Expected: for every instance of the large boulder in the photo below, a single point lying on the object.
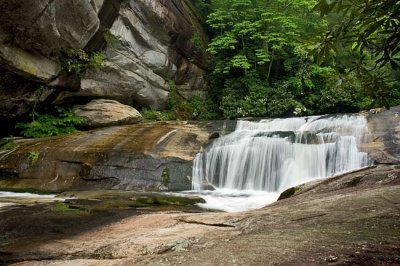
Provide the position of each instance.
(48, 26)
(101, 113)
(152, 45)
(126, 79)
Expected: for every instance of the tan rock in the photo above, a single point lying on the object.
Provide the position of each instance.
(101, 112)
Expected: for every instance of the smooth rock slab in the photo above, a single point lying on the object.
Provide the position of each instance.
(28, 65)
(48, 26)
(102, 112)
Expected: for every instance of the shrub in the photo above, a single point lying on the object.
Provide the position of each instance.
(77, 61)
(153, 115)
(45, 125)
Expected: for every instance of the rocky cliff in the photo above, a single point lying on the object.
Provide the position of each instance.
(145, 45)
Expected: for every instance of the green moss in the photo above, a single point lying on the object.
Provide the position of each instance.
(165, 177)
(63, 207)
(355, 181)
(289, 193)
(7, 144)
(111, 39)
(33, 156)
(4, 240)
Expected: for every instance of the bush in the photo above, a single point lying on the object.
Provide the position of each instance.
(179, 108)
(153, 115)
(77, 61)
(46, 125)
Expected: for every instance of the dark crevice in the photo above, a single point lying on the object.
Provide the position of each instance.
(308, 217)
(99, 178)
(207, 224)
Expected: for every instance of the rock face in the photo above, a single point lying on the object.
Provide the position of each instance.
(384, 144)
(28, 65)
(146, 44)
(150, 156)
(101, 113)
(151, 44)
(48, 27)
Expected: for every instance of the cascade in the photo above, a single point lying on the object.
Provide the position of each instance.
(250, 167)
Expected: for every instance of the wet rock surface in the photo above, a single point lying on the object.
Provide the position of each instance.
(152, 156)
(330, 223)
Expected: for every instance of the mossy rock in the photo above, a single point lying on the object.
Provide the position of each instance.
(169, 200)
(289, 193)
(64, 207)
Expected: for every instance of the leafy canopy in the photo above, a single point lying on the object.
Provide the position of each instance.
(372, 25)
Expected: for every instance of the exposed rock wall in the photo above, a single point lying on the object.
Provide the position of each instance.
(384, 144)
(154, 156)
(151, 44)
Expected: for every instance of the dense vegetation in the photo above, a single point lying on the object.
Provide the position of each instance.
(60, 121)
(282, 58)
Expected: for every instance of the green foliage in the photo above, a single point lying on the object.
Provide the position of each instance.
(33, 156)
(153, 115)
(197, 42)
(45, 125)
(165, 177)
(77, 61)
(262, 61)
(179, 108)
(193, 109)
(7, 144)
(63, 207)
(367, 25)
(252, 35)
(110, 38)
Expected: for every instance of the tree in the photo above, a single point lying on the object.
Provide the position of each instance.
(369, 24)
(368, 32)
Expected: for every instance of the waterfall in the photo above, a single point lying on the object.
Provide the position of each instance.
(272, 155)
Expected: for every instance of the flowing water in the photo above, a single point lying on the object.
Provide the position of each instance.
(250, 167)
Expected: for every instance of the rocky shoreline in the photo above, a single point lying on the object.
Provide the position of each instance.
(351, 219)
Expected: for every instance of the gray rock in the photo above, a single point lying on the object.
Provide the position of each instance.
(48, 26)
(384, 140)
(28, 65)
(125, 79)
(101, 112)
(97, 4)
(154, 47)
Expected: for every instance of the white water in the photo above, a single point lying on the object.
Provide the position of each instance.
(250, 167)
(7, 194)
